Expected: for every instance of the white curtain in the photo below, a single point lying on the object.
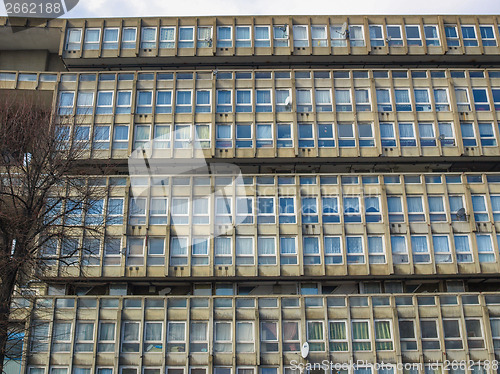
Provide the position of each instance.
(426, 130)
(402, 96)
(440, 96)
(303, 97)
(222, 332)
(323, 97)
(421, 96)
(330, 205)
(419, 244)
(406, 130)
(332, 245)
(266, 246)
(222, 246)
(198, 331)
(167, 34)
(179, 246)
(311, 245)
(131, 331)
(342, 96)
(414, 204)
(153, 331)
(361, 96)
(436, 204)
(287, 246)
(176, 331)
(264, 132)
(372, 205)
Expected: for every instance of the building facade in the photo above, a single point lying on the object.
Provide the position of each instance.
(285, 193)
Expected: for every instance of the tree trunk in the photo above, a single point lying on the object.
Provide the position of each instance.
(8, 274)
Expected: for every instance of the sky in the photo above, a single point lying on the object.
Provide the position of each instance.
(144, 8)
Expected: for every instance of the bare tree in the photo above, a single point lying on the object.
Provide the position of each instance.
(46, 198)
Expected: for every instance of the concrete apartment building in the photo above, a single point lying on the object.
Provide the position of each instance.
(352, 203)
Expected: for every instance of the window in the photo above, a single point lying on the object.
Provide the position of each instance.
(224, 137)
(362, 98)
(365, 133)
(266, 210)
(280, 36)
(318, 36)
(137, 211)
(479, 206)
(338, 336)
(264, 136)
(372, 209)
(394, 36)
(291, 336)
(284, 135)
(224, 37)
(487, 36)
(360, 336)
(243, 36)
(153, 337)
(429, 334)
(415, 209)
(300, 36)
(462, 98)
(487, 135)
(263, 101)
(474, 328)
(66, 102)
(224, 101)
(446, 135)
(144, 102)
(130, 337)
(61, 337)
(304, 101)
(485, 248)
(495, 207)
(469, 36)
(399, 249)
(244, 337)
(427, 136)
(431, 35)
(376, 251)
(387, 135)
(309, 210)
(452, 334)
(223, 337)
(223, 251)
(436, 208)
(407, 135)
(266, 250)
(311, 251)
(269, 336)
(343, 100)
(204, 39)
(244, 101)
(462, 248)
(92, 39)
(376, 36)
(420, 249)
(355, 250)
(183, 101)
(325, 135)
(306, 137)
(330, 210)
(468, 136)
(352, 211)
(288, 251)
(346, 135)
(142, 137)
(383, 336)
(456, 204)
(395, 208)
(407, 335)
(223, 210)
(283, 100)
(244, 251)
(441, 100)
(244, 210)
(73, 39)
(413, 35)
(287, 210)
(198, 337)
(323, 100)
(123, 102)
(356, 36)
(422, 100)
(315, 336)
(403, 103)
(442, 251)
(384, 100)
(451, 36)
(262, 36)
(481, 102)
(176, 337)
(106, 342)
(164, 102)
(129, 36)
(167, 37)
(186, 37)
(84, 103)
(178, 251)
(148, 38)
(495, 332)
